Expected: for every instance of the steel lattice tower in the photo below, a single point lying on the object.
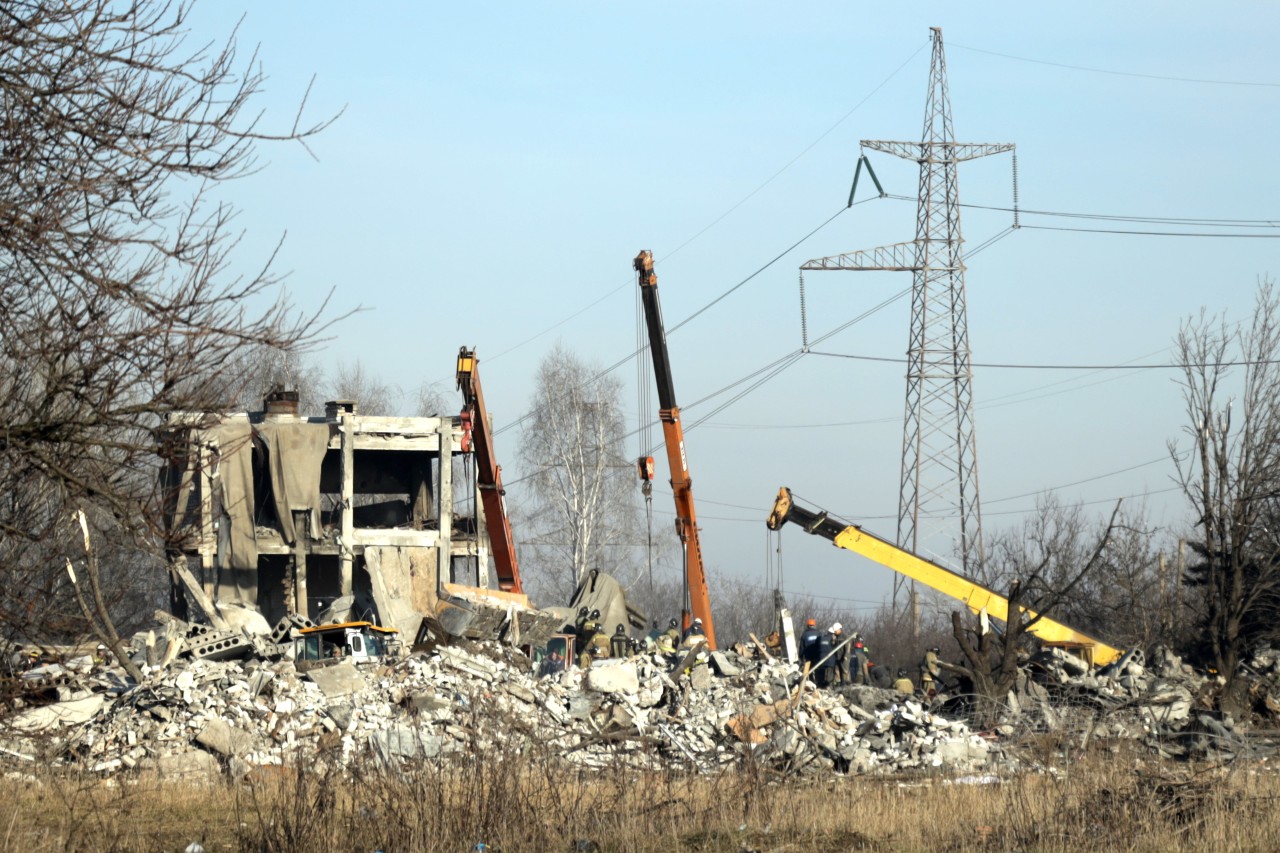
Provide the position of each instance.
(939, 485)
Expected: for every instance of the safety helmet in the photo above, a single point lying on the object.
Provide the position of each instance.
(836, 628)
(902, 673)
(619, 630)
(812, 623)
(582, 611)
(935, 650)
(673, 624)
(595, 614)
(697, 621)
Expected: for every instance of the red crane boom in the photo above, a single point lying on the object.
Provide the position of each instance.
(697, 600)
(478, 431)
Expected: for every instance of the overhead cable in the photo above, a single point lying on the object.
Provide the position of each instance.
(1113, 72)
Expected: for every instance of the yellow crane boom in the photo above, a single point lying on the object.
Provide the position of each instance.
(976, 597)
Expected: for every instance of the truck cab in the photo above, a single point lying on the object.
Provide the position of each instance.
(359, 642)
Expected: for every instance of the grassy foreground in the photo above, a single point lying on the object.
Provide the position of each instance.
(1105, 802)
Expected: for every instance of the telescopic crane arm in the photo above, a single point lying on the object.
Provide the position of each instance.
(478, 431)
(673, 435)
(974, 596)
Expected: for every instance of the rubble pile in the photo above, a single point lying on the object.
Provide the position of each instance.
(1159, 700)
(197, 716)
(227, 700)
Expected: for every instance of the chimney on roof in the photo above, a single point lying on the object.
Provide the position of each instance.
(280, 402)
(336, 408)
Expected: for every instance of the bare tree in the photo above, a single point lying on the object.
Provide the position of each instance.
(1042, 567)
(1231, 479)
(259, 369)
(582, 513)
(353, 381)
(429, 400)
(118, 305)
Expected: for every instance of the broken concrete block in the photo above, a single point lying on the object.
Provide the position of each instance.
(613, 678)
(287, 628)
(962, 752)
(245, 620)
(339, 680)
(581, 705)
(221, 737)
(397, 741)
(341, 713)
(470, 664)
(220, 645)
(723, 666)
(48, 717)
(426, 703)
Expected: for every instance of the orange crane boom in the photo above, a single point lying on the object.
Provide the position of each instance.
(697, 600)
(478, 431)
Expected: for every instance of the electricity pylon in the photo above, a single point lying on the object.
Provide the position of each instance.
(939, 486)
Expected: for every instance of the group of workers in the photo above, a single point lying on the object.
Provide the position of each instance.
(593, 643)
(834, 659)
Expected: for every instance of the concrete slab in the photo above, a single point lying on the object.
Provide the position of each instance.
(49, 717)
(723, 666)
(613, 678)
(225, 739)
(339, 680)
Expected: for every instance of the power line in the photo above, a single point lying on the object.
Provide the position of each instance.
(1115, 217)
(1164, 458)
(1133, 233)
(722, 216)
(606, 371)
(1114, 73)
(1092, 479)
(766, 266)
(1014, 366)
(805, 151)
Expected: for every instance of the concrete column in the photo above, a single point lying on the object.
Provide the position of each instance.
(346, 555)
(301, 537)
(444, 500)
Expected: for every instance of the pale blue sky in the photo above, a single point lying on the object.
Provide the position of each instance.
(499, 165)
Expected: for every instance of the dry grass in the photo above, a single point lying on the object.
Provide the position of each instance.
(521, 803)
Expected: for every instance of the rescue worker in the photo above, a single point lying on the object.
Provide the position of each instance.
(599, 644)
(841, 657)
(619, 643)
(824, 661)
(809, 642)
(665, 646)
(581, 627)
(930, 672)
(590, 627)
(654, 633)
(694, 634)
(903, 685)
(672, 634)
(859, 665)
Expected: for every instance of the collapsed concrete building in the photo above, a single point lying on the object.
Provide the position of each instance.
(334, 517)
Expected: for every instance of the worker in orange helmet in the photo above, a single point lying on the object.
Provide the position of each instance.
(809, 642)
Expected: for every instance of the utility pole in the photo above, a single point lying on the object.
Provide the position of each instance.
(939, 485)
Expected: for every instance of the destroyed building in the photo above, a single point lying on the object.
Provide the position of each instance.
(281, 514)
